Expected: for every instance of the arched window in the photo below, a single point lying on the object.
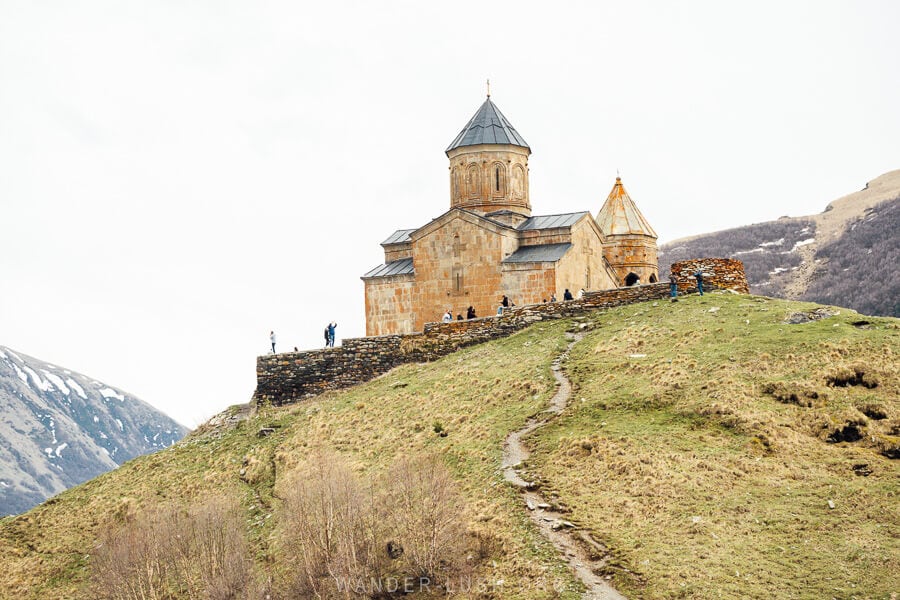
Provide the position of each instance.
(457, 246)
(473, 181)
(631, 279)
(454, 183)
(518, 187)
(498, 179)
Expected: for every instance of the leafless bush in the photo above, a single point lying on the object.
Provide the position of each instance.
(331, 529)
(423, 512)
(169, 552)
(346, 539)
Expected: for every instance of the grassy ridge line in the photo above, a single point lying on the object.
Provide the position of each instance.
(477, 396)
(679, 455)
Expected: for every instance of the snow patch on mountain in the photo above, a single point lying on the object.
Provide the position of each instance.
(108, 392)
(78, 389)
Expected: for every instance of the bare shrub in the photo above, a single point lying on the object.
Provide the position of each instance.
(346, 539)
(423, 511)
(170, 552)
(331, 530)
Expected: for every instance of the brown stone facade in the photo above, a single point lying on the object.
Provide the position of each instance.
(490, 177)
(633, 254)
(459, 262)
(293, 376)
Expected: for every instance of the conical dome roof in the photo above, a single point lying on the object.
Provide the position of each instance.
(488, 126)
(620, 215)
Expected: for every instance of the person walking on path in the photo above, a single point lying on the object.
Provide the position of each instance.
(331, 327)
(673, 287)
(567, 295)
(699, 277)
(272, 339)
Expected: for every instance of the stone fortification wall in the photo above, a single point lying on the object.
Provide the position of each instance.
(292, 376)
(724, 273)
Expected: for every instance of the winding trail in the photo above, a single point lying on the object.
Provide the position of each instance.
(585, 556)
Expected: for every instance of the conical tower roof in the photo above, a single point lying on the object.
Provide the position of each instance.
(620, 215)
(488, 126)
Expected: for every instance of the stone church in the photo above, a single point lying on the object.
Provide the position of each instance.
(489, 244)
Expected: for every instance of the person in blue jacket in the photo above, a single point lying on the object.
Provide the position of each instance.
(331, 327)
(699, 277)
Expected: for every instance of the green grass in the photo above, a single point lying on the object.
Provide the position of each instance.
(649, 443)
(704, 484)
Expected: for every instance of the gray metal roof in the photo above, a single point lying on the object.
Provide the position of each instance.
(488, 126)
(551, 221)
(544, 253)
(404, 266)
(398, 237)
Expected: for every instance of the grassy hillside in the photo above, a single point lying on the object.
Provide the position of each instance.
(699, 447)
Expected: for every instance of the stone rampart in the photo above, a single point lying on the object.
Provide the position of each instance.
(292, 376)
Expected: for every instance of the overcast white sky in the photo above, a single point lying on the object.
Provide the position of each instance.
(178, 178)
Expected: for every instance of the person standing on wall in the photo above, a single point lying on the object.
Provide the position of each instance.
(331, 327)
(272, 339)
(673, 287)
(327, 335)
(699, 277)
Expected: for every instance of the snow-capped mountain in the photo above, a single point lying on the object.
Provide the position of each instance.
(59, 428)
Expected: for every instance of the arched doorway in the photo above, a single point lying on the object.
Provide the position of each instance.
(631, 279)
(653, 278)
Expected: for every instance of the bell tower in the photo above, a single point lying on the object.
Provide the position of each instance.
(489, 165)
(629, 243)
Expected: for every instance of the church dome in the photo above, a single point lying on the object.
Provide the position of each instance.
(488, 126)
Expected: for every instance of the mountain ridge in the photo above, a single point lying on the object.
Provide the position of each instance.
(845, 255)
(59, 428)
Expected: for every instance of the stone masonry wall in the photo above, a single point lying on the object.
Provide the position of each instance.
(725, 273)
(293, 376)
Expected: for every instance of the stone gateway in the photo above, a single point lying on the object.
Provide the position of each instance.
(489, 245)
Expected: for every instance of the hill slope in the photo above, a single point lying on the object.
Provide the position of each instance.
(846, 255)
(60, 428)
(702, 447)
